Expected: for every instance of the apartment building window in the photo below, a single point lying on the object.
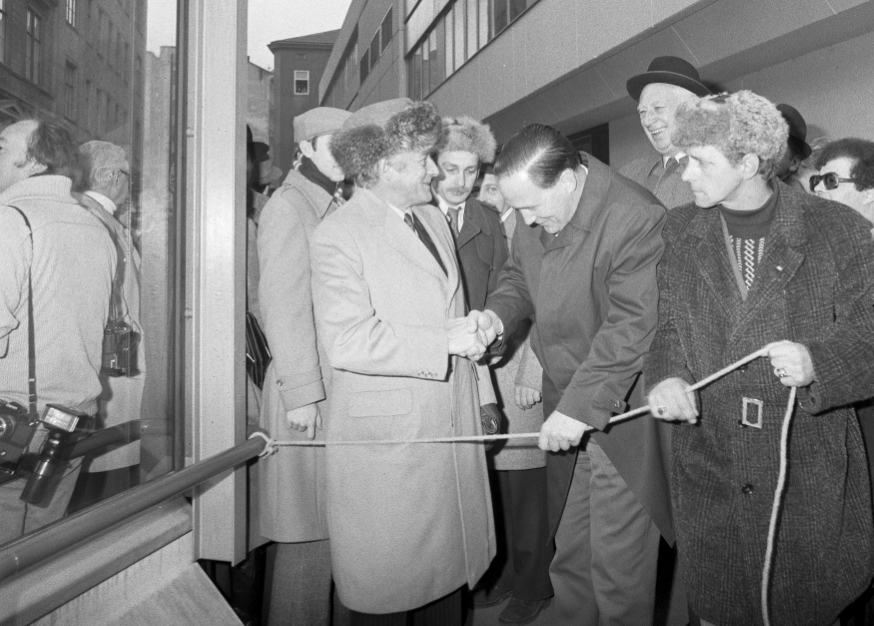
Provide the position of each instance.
(364, 68)
(3, 19)
(387, 30)
(33, 48)
(88, 110)
(463, 29)
(110, 45)
(100, 126)
(71, 13)
(301, 83)
(70, 91)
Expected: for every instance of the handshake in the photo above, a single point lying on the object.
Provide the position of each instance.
(470, 336)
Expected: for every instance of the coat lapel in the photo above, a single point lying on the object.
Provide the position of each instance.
(713, 262)
(432, 219)
(473, 224)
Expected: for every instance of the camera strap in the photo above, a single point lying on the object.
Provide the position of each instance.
(31, 341)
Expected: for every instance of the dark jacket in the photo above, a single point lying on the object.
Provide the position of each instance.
(593, 295)
(481, 250)
(814, 286)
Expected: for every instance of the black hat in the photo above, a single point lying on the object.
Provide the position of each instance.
(670, 70)
(797, 129)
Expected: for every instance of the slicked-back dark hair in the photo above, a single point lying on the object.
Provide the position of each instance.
(51, 145)
(861, 151)
(541, 151)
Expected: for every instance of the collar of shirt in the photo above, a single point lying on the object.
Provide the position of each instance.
(445, 206)
(677, 157)
(400, 213)
(103, 201)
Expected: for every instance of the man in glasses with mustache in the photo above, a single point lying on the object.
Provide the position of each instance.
(846, 175)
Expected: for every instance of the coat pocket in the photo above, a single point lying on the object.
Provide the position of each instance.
(381, 403)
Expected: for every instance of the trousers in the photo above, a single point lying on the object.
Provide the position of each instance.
(604, 569)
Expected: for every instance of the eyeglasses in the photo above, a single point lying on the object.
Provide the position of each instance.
(830, 180)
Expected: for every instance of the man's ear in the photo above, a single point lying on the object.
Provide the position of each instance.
(868, 197)
(306, 148)
(749, 165)
(33, 168)
(568, 180)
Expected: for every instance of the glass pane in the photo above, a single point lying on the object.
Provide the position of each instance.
(472, 30)
(119, 332)
(426, 68)
(450, 44)
(415, 69)
(500, 19)
(435, 41)
(460, 56)
(483, 22)
(516, 8)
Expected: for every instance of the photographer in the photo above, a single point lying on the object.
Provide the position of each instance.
(61, 254)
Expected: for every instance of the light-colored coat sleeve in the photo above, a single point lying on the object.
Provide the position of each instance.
(484, 385)
(354, 338)
(285, 298)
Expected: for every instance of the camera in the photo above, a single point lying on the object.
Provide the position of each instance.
(16, 432)
(119, 349)
(60, 422)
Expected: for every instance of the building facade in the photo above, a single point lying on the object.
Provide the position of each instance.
(80, 60)
(565, 62)
(298, 66)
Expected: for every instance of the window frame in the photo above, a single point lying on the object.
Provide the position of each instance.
(302, 78)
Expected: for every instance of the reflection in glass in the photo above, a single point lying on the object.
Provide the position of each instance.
(93, 71)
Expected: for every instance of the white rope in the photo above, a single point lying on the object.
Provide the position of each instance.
(775, 509)
(273, 445)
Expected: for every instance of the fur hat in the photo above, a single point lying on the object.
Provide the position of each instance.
(465, 134)
(737, 124)
(383, 130)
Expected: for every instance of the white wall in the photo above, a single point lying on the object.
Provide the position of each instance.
(833, 88)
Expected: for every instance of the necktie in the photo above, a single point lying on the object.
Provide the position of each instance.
(414, 225)
(452, 216)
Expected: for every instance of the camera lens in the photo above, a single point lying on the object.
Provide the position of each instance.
(7, 427)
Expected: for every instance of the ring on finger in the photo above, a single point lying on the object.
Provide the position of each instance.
(781, 372)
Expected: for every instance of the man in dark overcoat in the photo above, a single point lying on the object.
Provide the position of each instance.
(754, 263)
(584, 267)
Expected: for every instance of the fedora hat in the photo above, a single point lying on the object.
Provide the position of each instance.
(797, 129)
(670, 70)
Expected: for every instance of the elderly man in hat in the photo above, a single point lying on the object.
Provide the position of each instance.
(106, 183)
(756, 264)
(796, 150)
(297, 382)
(667, 83)
(411, 524)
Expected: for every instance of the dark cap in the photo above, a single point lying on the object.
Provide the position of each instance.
(670, 70)
(797, 129)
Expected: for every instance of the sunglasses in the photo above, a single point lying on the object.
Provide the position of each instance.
(830, 180)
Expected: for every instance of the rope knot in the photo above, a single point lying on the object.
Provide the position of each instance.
(270, 445)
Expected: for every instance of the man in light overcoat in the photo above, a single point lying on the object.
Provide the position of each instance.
(410, 524)
(297, 383)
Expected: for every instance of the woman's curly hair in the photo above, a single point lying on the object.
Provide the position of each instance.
(736, 124)
(357, 150)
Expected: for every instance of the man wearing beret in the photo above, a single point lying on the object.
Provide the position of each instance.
(297, 382)
(667, 82)
(411, 524)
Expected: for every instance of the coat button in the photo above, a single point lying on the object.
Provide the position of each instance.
(747, 489)
(279, 383)
(742, 368)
